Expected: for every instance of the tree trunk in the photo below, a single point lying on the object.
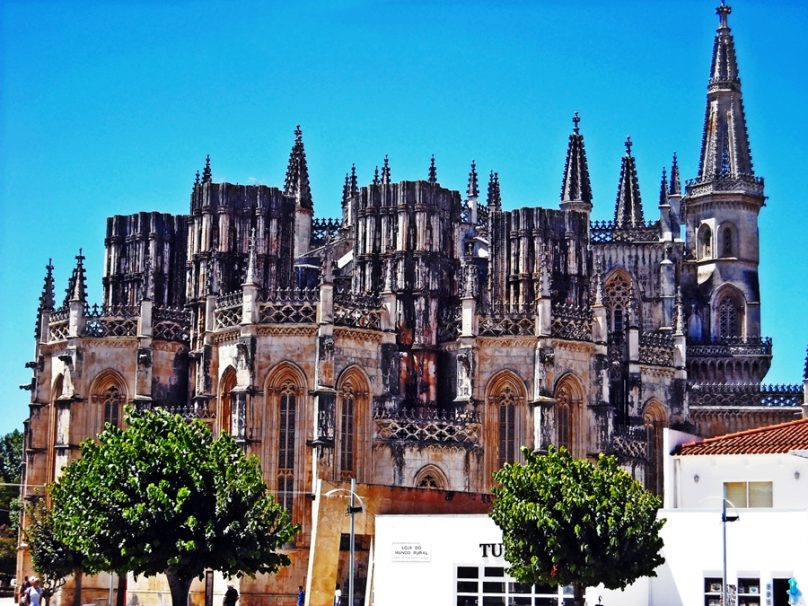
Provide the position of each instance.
(120, 599)
(579, 594)
(180, 584)
(77, 576)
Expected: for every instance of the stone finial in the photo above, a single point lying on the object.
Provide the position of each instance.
(663, 189)
(675, 188)
(473, 189)
(376, 176)
(77, 287)
(494, 197)
(47, 299)
(433, 170)
(252, 260)
(353, 182)
(723, 11)
(386, 170)
(207, 173)
(679, 323)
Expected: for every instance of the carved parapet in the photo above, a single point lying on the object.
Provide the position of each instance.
(571, 322)
(500, 324)
(358, 311)
(324, 230)
(170, 324)
(656, 349)
(730, 347)
(630, 444)
(117, 321)
(604, 232)
(454, 427)
(737, 395)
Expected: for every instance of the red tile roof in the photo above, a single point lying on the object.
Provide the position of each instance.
(773, 439)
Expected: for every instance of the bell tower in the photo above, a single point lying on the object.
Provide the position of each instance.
(721, 215)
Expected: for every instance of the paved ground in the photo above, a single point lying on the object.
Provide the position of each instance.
(6, 601)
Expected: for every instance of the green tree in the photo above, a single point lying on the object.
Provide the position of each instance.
(10, 469)
(53, 560)
(567, 521)
(163, 496)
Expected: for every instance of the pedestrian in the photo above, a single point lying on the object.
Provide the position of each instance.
(230, 596)
(337, 596)
(301, 596)
(34, 592)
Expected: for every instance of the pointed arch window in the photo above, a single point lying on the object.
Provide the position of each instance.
(569, 416)
(112, 406)
(508, 446)
(729, 318)
(347, 433)
(286, 443)
(228, 382)
(617, 296)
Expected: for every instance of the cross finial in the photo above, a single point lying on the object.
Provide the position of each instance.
(628, 146)
(576, 119)
(723, 11)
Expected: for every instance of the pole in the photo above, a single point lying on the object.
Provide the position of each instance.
(724, 591)
(352, 511)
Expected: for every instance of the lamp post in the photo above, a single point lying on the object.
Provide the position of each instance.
(724, 519)
(353, 509)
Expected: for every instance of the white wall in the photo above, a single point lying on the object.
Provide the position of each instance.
(788, 474)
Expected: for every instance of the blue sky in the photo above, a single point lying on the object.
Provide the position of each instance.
(110, 107)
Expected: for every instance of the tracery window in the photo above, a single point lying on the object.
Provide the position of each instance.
(617, 295)
(508, 448)
(729, 318)
(563, 417)
(428, 481)
(112, 406)
(347, 433)
(286, 444)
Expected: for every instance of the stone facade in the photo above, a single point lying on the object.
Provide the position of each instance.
(417, 341)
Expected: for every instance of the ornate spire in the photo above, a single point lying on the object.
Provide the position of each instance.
(346, 189)
(196, 179)
(145, 285)
(386, 170)
(376, 176)
(679, 322)
(663, 189)
(576, 189)
(473, 190)
(675, 188)
(297, 173)
(433, 170)
(494, 197)
(354, 189)
(805, 370)
(207, 174)
(725, 148)
(46, 299)
(252, 261)
(628, 210)
(77, 286)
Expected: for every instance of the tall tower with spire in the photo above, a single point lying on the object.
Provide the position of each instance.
(721, 208)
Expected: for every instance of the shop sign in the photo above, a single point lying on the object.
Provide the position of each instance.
(411, 552)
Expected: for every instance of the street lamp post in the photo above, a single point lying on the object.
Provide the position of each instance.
(724, 519)
(353, 509)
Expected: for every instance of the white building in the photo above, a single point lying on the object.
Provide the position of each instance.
(458, 559)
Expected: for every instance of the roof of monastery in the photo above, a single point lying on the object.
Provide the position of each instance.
(773, 439)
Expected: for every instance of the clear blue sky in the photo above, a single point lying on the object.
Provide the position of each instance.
(110, 107)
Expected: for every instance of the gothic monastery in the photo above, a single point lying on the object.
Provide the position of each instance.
(417, 341)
